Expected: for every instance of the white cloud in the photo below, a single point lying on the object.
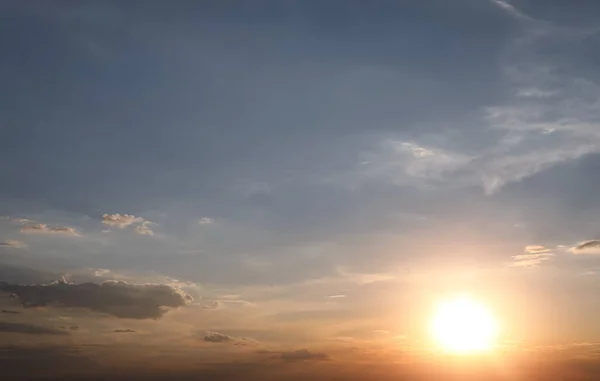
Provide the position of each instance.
(46, 229)
(530, 260)
(536, 93)
(121, 220)
(536, 249)
(205, 221)
(340, 296)
(13, 243)
(22, 221)
(510, 9)
(144, 229)
(102, 272)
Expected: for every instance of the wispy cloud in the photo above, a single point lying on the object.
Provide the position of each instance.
(47, 229)
(29, 329)
(536, 249)
(13, 243)
(533, 256)
(587, 247)
(144, 229)
(530, 260)
(551, 118)
(364, 278)
(21, 221)
(510, 9)
(403, 161)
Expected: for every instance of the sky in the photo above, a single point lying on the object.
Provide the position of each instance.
(284, 189)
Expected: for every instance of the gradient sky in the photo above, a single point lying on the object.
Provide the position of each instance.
(314, 175)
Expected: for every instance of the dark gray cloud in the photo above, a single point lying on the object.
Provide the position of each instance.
(25, 363)
(29, 329)
(9, 312)
(594, 244)
(121, 299)
(216, 337)
(297, 355)
(13, 243)
(73, 327)
(303, 354)
(127, 330)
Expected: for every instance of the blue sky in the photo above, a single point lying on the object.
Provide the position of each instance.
(310, 156)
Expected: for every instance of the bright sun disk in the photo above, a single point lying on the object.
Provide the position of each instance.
(463, 325)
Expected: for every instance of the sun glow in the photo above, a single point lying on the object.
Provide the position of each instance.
(463, 325)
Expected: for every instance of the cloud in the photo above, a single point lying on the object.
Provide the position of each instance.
(340, 296)
(143, 229)
(302, 354)
(205, 221)
(21, 221)
(121, 220)
(127, 330)
(587, 247)
(401, 161)
(550, 117)
(510, 9)
(102, 272)
(361, 278)
(46, 229)
(211, 306)
(74, 327)
(536, 249)
(216, 337)
(29, 329)
(530, 260)
(13, 244)
(120, 299)
(9, 312)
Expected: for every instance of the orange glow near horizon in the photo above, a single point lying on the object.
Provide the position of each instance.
(463, 325)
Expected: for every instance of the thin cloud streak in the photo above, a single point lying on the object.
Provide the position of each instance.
(13, 243)
(47, 229)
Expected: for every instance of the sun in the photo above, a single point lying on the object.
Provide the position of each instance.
(463, 325)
